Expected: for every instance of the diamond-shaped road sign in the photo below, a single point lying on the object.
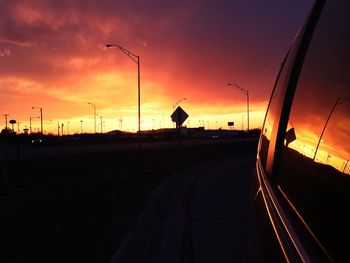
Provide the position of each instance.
(179, 116)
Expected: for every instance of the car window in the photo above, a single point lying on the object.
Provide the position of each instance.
(315, 170)
(276, 101)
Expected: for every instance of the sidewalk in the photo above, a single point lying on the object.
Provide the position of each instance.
(199, 215)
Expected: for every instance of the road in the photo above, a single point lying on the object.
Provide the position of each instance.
(78, 202)
(27, 151)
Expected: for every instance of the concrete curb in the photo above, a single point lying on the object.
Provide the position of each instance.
(158, 233)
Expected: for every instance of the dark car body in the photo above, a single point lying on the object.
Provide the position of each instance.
(300, 192)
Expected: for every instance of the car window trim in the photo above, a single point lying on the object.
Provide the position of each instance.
(286, 236)
(291, 86)
(268, 188)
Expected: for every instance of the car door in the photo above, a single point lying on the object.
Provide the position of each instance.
(302, 188)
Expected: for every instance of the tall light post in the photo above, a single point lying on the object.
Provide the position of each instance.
(68, 128)
(246, 92)
(94, 106)
(41, 118)
(121, 123)
(30, 123)
(136, 59)
(337, 102)
(81, 126)
(6, 115)
(50, 124)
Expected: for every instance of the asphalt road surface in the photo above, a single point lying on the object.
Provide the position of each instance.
(75, 203)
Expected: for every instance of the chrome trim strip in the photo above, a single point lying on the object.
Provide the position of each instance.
(258, 168)
(305, 225)
(269, 197)
(257, 193)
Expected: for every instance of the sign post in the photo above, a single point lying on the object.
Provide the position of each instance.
(179, 116)
(230, 124)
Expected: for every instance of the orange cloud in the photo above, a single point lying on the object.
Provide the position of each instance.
(52, 55)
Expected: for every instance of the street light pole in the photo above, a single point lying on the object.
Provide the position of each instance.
(121, 123)
(30, 123)
(136, 59)
(6, 115)
(139, 99)
(246, 92)
(337, 102)
(94, 106)
(81, 126)
(178, 102)
(41, 118)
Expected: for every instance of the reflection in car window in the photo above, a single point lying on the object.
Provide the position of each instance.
(315, 169)
(274, 109)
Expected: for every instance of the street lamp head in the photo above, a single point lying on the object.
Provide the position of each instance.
(113, 45)
(233, 84)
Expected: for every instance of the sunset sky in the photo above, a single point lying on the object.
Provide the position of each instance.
(53, 55)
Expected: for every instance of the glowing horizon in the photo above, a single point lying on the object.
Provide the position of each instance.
(53, 55)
